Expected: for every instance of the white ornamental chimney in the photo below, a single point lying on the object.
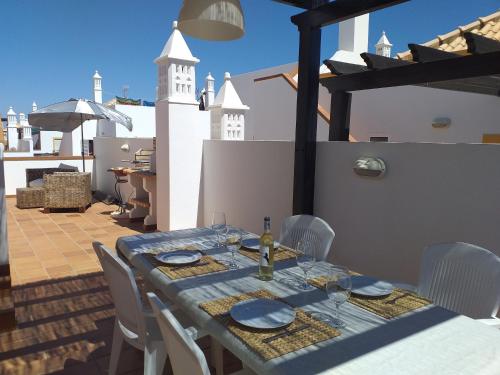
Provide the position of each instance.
(383, 46)
(97, 87)
(227, 113)
(12, 136)
(24, 124)
(11, 117)
(176, 70)
(209, 90)
(353, 41)
(34, 107)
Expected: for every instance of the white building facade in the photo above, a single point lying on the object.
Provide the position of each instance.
(398, 114)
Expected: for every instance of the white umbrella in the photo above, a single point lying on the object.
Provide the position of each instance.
(67, 116)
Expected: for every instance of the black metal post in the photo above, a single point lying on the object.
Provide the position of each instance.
(306, 120)
(340, 116)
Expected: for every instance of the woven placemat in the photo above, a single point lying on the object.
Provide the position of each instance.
(206, 265)
(397, 303)
(308, 331)
(279, 254)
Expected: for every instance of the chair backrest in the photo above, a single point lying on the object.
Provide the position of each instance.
(36, 173)
(309, 228)
(123, 289)
(461, 277)
(185, 355)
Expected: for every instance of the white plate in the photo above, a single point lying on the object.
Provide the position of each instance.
(179, 257)
(370, 287)
(263, 313)
(254, 244)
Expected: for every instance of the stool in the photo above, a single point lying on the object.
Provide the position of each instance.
(30, 197)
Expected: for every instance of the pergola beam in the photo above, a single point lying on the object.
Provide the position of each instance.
(304, 4)
(418, 73)
(340, 10)
(427, 54)
(340, 67)
(480, 44)
(377, 62)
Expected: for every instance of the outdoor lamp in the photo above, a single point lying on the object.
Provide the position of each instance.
(212, 19)
(369, 167)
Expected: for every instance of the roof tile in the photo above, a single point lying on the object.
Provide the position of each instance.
(488, 26)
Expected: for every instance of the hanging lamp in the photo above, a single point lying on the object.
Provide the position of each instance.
(212, 19)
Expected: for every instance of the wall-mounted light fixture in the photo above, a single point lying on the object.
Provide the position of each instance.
(369, 167)
(441, 122)
(125, 147)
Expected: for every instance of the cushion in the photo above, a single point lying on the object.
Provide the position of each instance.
(66, 166)
(36, 183)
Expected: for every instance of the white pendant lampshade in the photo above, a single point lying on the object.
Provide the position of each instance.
(212, 19)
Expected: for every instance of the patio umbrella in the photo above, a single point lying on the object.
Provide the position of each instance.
(67, 116)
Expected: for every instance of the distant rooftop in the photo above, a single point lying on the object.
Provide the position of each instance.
(454, 41)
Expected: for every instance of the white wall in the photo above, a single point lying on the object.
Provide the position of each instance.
(4, 246)
(430, 193)
(405, 114)
(273, 104)
(15, 170)
(46, 143)
(275, 113)
(108, 154)
(248, 181)
(143, 120)
(245, 87)
(71, 144)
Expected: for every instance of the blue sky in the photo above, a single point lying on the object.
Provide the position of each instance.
(51, 48)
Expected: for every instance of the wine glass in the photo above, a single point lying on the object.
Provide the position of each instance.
(219, 225)
(233, 243)
(305, 256)
(338, 288)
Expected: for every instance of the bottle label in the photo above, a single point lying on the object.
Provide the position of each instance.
(264, 256)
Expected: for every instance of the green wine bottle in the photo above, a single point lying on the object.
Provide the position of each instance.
(266, 264)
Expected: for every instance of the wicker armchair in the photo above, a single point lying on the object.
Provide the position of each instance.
(67, 190)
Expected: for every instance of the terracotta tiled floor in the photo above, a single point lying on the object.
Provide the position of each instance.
(45, 246)
(64, 311)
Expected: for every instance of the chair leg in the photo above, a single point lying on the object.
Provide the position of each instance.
(217, 356)
(154, 358)
(116, 349)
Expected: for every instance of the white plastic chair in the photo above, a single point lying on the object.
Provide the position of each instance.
(461, 277)
(133, 324)
(185, 355)
(310, 228)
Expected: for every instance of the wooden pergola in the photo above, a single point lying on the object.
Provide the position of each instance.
(477, 72)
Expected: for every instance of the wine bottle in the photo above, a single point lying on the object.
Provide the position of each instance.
(266, 264)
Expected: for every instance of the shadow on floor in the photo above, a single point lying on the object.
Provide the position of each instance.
(65, 326)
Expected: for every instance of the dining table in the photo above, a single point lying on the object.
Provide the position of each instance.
(426, 340)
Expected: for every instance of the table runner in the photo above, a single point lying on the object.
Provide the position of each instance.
(309, 331)
(206, 265)
(281, 254)
(399, 302)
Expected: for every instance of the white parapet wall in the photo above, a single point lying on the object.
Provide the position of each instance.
(4, 246)
(430, 193)
(248, 180)
(15, 168)
(109, 154)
